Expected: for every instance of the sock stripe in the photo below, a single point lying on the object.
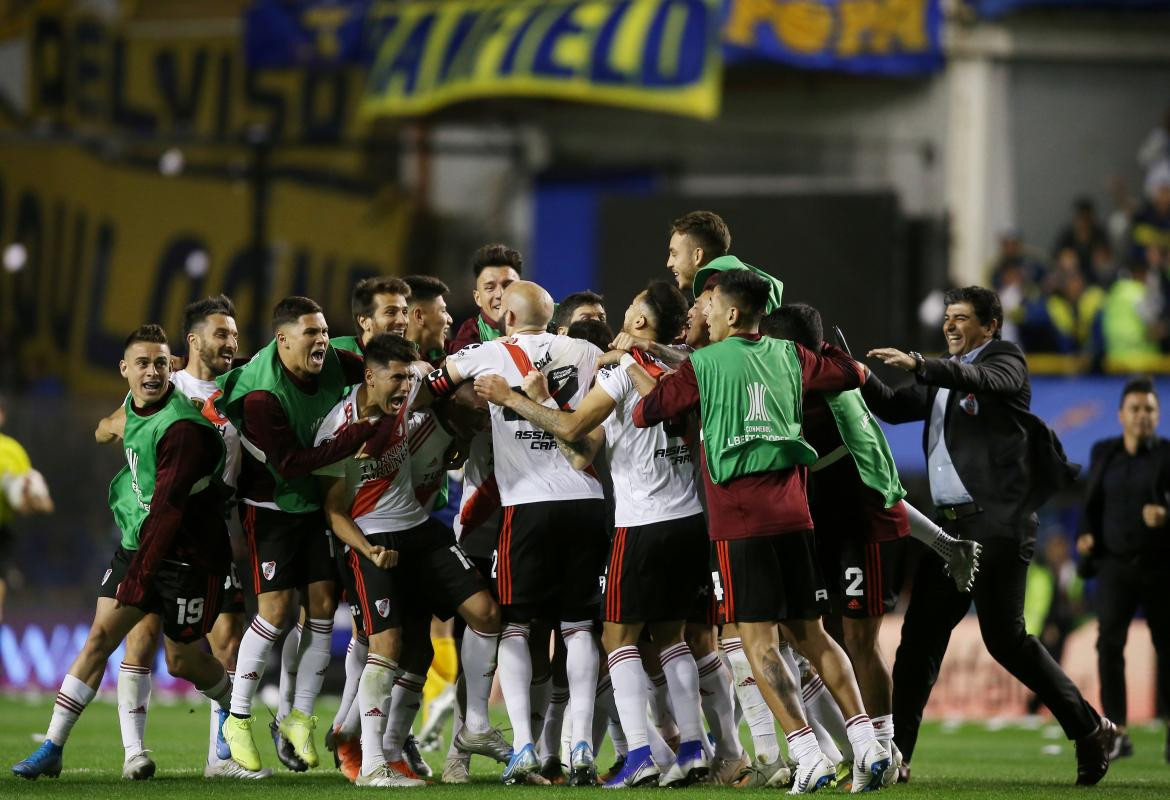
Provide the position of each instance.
(409, 684)
(560, 696)
(604, 684)
(792, 737)
(362, 639)
(379, 661)
(69, 704)
(658, 679)
(732, 645)
(623, 654)
(542, 680)
(670, 654)
(264, 630)
(860, 718)
(567, 632)
(710, 668)
(483, 635)
(137, 670)
(321, 627)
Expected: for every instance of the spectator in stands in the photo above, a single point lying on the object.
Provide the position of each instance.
(1151, 223)
(1155, 149)
(1015, 256)
(1081, 235)
(1131, 319)
(1054, 602)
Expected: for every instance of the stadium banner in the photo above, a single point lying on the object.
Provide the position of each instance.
(654, 55)
(881, 37)
(280, 33)
(96, 259)
(991, 9)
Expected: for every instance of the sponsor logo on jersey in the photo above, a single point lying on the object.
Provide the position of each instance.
(269, 569)
(106, 577)
(541, 440)
(678, 454)
(383, 607)
(854, 604)
(386, 465)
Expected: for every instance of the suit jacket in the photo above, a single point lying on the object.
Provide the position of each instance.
(1102, 453)
(1009, 460)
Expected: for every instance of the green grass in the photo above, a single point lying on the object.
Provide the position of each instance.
(965, 761)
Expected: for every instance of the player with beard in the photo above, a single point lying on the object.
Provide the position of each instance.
(553, 538)
(658, 559)
(378, 305)
(168, 503)
(372, 507)
(212, 343)
(276, 401)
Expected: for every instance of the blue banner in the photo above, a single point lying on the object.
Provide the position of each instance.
(1081, 410)
(299, 33)
(998, 8)
(876, 37)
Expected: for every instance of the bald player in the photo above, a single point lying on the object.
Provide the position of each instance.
(553, 539)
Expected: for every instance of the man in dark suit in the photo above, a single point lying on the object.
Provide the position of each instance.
(1126, 538)
(991, 465)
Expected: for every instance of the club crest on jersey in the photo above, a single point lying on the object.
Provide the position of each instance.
(106, 577)
(383, 607)
(269, 569)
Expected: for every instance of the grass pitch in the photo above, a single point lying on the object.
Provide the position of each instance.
(953, 761)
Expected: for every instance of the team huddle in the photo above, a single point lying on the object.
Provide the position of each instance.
(657, 532)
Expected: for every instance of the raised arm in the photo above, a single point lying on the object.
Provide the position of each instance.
(267, 427)
(568, 425)
(111, 427)
(999, 372)
(904, 404)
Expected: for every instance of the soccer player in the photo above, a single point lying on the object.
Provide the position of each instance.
(748, 391)
(168, 502)
(372, 507)
(696, 239)
(428, 323)
(378, 305)
(576, 307)
(496, 267)
(658, 559)
(553, 538)
(276, 401)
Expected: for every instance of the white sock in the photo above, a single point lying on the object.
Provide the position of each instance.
(682, 680)
(825, 718)
(927, 531)
(478, 655)
(802, 746)
(255, 646)
(883, 729)
(373, 699)
(554, 722)
(215, 706)
(290, 658)
(72, 698)
(861, 735)
(715, 693)
(314, 661)
(660, 701)
(538, 696)
(629, 693)
(219, 692)
(755, 710)
(581, 665)
(604, 709)
(355, 662)
(133, 703)
(618, 737)
(405, 699)
(659, 750)
(457, 718)
(515, 669)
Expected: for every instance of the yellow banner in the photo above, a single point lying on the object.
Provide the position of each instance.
(92, 249)
(658, 55)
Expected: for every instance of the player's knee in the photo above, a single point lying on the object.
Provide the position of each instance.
(861, 641)
(100, 644)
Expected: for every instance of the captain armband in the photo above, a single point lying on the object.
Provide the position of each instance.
(440, 384)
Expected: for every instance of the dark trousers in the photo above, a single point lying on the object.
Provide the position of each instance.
(936, 607)
(1124, 584)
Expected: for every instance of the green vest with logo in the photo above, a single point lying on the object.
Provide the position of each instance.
(349, 343)
(750, 394)
(486, 332)
(867, 444)
(304, 411)
(132, 489)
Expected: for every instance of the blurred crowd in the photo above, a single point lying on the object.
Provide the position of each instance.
(1103, 289)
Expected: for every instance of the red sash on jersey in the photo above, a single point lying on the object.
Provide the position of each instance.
(648, 363)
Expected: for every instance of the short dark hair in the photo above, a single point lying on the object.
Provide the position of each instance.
(798, 322)
(496, 255)
(361, 299)
(386, 347)
(593, 331)
(746, 290)
(148, 332)
(983, 301)
(574, 301)
(668, 307)
(424, 288)
(200, 310)
(1142, 384)
(290, 309)
(708, 230)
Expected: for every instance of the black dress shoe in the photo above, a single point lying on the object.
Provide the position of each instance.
(1093, 753)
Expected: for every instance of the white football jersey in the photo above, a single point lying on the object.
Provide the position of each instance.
(653, 477)
(481, 494)
(529, 466)
(205, 393)
(379, 489)
(429, 441)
